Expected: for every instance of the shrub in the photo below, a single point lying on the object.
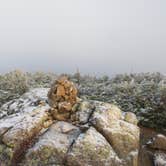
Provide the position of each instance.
(143, 94)
(12, 85)
(40, 79)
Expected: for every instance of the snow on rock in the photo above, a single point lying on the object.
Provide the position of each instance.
(91, 148)
(27, 102)
(19, 129)
(52, 146)
(29, 136)
(122, 135)
(160, 159)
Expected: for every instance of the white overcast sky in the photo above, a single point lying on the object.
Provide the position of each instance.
(96, 36)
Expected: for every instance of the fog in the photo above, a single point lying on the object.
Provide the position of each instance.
(96, 36)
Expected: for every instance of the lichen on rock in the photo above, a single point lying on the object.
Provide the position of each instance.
(92, 149)
(52, 146)
(131, 118)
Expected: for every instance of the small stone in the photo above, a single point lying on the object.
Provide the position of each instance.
(60, 116)
(158, 142)
(60, 91)
(83, 113)
(47, 123)
(64, 106)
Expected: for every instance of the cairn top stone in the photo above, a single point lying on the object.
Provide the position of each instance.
(62, 96)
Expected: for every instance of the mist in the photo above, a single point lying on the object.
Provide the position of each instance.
(96, 37)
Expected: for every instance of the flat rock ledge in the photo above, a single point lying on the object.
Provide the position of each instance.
(103, 135)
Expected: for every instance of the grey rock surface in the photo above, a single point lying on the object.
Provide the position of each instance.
(101, 136)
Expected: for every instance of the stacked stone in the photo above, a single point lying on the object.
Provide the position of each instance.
(62, 97)
(103, 136)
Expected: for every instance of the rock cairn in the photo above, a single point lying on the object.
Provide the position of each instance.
(62, 96)
(83, 133)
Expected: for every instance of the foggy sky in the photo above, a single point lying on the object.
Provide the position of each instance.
(96, 36)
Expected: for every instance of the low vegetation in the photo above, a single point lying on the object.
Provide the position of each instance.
(12, 85)
(143, 94)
